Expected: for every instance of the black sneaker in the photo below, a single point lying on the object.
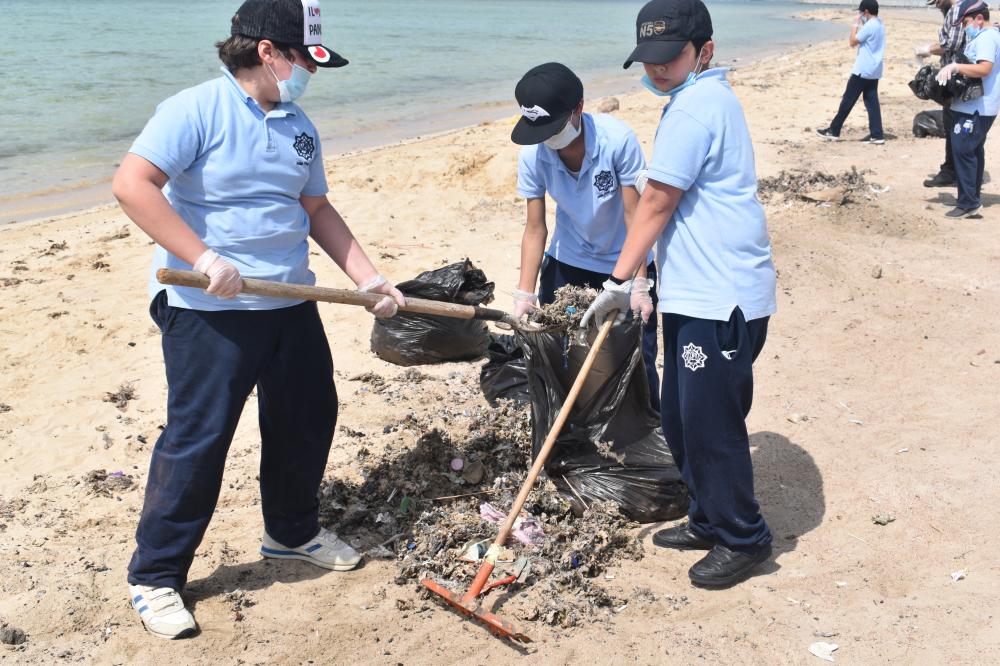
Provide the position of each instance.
(957, 212)
(681, 537)
(868, 139)
(828, 135)
(723, 567)
(942, 179)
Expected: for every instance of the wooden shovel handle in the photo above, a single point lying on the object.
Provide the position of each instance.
(304, 292)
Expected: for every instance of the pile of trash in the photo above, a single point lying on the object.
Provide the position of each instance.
(434, 508)
(818, 186)
(566, 311)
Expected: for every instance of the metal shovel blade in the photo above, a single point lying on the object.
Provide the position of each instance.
(472, 608)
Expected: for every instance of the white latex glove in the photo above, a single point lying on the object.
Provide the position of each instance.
(613, 297)
(922, 51)
(641, 302)
(388, 306)
(225, 280)
(946, 72)
(524, 302)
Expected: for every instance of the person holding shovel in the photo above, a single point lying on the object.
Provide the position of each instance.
(227, 177)
(588, 164)
(717, 286)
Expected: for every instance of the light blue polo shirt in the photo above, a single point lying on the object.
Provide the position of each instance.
(868, 63)
(590, 212)
(714, 254)
(986, 46)
(236, 175)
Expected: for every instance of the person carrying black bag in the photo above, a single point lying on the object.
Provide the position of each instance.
(951, 43)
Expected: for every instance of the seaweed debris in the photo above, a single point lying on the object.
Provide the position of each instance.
(566, 311)
(412, 505)
(104, 484)
(817, 186)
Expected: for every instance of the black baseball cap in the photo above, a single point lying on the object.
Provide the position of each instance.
(664, 27)
(293, 23)
(871, 6)
(548, 95)
(970, 8)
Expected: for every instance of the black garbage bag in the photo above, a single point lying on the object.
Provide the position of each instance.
(418, 339)
(506, 373)
(958, 88)
(929, 123)
(639, 473)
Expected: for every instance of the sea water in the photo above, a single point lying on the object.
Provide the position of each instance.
(81, 77)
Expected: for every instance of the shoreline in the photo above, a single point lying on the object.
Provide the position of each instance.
(57, 202)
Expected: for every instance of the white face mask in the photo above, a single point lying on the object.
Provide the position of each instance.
(565, 136)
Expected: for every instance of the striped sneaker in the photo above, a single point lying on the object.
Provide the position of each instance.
(162, 611)
(324, 550)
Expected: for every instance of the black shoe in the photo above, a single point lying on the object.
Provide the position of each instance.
(957, 212)
(681, 537)
(723, 567)
(942, 179)
(868, 139)
(828, 135)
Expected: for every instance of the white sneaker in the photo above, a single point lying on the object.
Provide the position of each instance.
(162, 611)
(324, 550)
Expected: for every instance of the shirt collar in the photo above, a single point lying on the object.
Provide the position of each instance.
(280, 110)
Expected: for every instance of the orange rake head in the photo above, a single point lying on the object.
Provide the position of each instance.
(469, 605)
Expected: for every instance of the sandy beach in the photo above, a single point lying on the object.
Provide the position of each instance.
(875, 396)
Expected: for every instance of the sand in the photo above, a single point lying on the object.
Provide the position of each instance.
(875, 395)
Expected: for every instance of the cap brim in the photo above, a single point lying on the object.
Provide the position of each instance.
(528, 134)
(655, 52)
(322, 56)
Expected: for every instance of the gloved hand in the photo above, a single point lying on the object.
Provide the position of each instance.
(946, 72)
(641, 302)
(388, 306)
(524, 302)
(922, 51)
(225, 278)
(613, 297)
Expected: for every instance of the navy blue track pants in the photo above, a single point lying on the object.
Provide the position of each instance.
(213, 361)
(707, 392)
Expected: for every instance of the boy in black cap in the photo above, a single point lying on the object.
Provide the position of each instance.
(588, 164)
(228, 179)
(716, 291)
(868, 35)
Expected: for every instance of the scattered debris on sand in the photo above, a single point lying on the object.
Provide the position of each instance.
(107, 484)
(817, 186)
(414, 506)
(121, 397)
(12, 635)
(566, 311)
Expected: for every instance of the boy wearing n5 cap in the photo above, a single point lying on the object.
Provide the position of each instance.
(588, 164)
(868, 35)
(973, 119)
(228, 179)
(716, 291)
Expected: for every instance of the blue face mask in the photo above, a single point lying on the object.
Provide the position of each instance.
(295, 86)
(971, 32)
(688, 82)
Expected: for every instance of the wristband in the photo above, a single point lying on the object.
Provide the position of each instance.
(618, 281)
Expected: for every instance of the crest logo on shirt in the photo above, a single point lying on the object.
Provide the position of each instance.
(304, 146)
(604, 182)
(693, 357)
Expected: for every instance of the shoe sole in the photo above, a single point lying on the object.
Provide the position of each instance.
(311, 560)
(971, 215)
(828, 138)
(728, 581)
(187, 633)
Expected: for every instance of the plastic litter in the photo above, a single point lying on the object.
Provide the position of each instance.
(417, 339)
(823, 650)
(526, 529)
(958, 575)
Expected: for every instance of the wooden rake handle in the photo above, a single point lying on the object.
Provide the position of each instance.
(304, 292)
